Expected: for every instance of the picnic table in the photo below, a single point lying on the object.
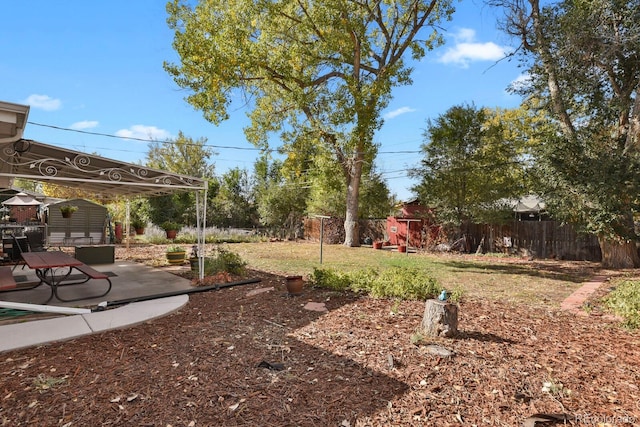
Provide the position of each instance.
(58, 269)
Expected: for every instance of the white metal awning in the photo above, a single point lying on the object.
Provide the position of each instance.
(107, 178)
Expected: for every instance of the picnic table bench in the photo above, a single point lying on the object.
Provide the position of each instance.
(7, 282)
(55, 269)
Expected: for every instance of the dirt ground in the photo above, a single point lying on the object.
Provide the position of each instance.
(253, 356)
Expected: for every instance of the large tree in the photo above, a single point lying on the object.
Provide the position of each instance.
(186, 156)
(473, 159)
(234, 204)
(583, 59)
(310, 69)
(281, 193)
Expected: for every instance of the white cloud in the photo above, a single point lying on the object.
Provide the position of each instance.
(467, 50)
(465, 35)
(144, 132)
(85, 124)
(43, 102)
(520, 82)
(398, 112)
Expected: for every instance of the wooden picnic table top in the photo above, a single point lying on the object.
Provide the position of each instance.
(49, 259)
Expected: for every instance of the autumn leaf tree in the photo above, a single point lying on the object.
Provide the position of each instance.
(309, 70)
(583, 65)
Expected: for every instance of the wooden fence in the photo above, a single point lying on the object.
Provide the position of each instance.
(542, 239)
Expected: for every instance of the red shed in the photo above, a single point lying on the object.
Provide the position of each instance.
(409, 221)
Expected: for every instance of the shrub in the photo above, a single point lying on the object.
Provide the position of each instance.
(396, 282)
(169, 225)
(624, 301)
(330, 279)
(224, 261)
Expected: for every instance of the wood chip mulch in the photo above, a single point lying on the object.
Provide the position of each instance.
(253, 356)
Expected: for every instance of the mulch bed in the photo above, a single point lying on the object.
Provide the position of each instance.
(253, 356)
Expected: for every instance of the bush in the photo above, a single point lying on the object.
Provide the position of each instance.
(222, 261)
(624, 301)
(330, 279)
(396, 282)
(170, 225)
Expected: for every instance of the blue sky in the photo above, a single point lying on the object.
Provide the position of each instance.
(96, 66)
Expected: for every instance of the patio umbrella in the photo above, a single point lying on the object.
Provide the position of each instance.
(21, 199)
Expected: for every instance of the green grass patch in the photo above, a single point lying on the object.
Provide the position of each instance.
(473, 277)
(624, 301)
(394, 282)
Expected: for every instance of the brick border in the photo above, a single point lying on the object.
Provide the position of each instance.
(573, 303)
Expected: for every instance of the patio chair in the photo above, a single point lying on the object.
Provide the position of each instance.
(35, 240)
(19, 246)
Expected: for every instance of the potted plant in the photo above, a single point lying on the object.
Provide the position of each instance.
(67, 210)
(171, 228)
(194, 259)
(175, 254)
(138, 225)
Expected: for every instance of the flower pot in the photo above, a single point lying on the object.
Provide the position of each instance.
(294, 285)
(176, 258)
(195, 264)
(139, 231)
(66, 214)
(377, 245)
(171, 234)
(118, 231)
(402, 248)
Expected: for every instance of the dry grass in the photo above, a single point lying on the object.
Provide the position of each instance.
(545, 282)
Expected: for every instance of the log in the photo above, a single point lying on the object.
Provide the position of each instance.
(440, 319)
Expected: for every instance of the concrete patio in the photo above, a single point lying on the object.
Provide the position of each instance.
(129, 279)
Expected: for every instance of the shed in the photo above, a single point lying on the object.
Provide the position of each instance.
(407, 226)
(86, 226)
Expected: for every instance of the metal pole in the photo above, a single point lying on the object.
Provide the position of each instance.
(321, 237)
(322, 218)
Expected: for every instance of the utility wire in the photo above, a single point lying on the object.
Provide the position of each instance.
(137, 139)
(227, 147)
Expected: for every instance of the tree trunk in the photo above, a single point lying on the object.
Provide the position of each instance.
(619, 255)
(351, 231)
(440, 319)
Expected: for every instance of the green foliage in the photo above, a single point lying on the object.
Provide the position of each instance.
(223, 260)
(330, 279)
(139, 212)
(170, 225)
(394, 282)
(469, 165)
(582, 59)
(296, 62)
(417, 338)
(234, 205)
(175, 248)
(456, 295)
(138, 223)
(280, 194)
(185, 156)
(624, 301)
(68, 208)
(327, 189)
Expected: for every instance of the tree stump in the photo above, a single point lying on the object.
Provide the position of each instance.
(440, 319)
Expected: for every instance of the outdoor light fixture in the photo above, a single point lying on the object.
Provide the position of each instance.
(13, 119)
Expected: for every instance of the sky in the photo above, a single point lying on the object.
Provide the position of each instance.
(92, 74)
